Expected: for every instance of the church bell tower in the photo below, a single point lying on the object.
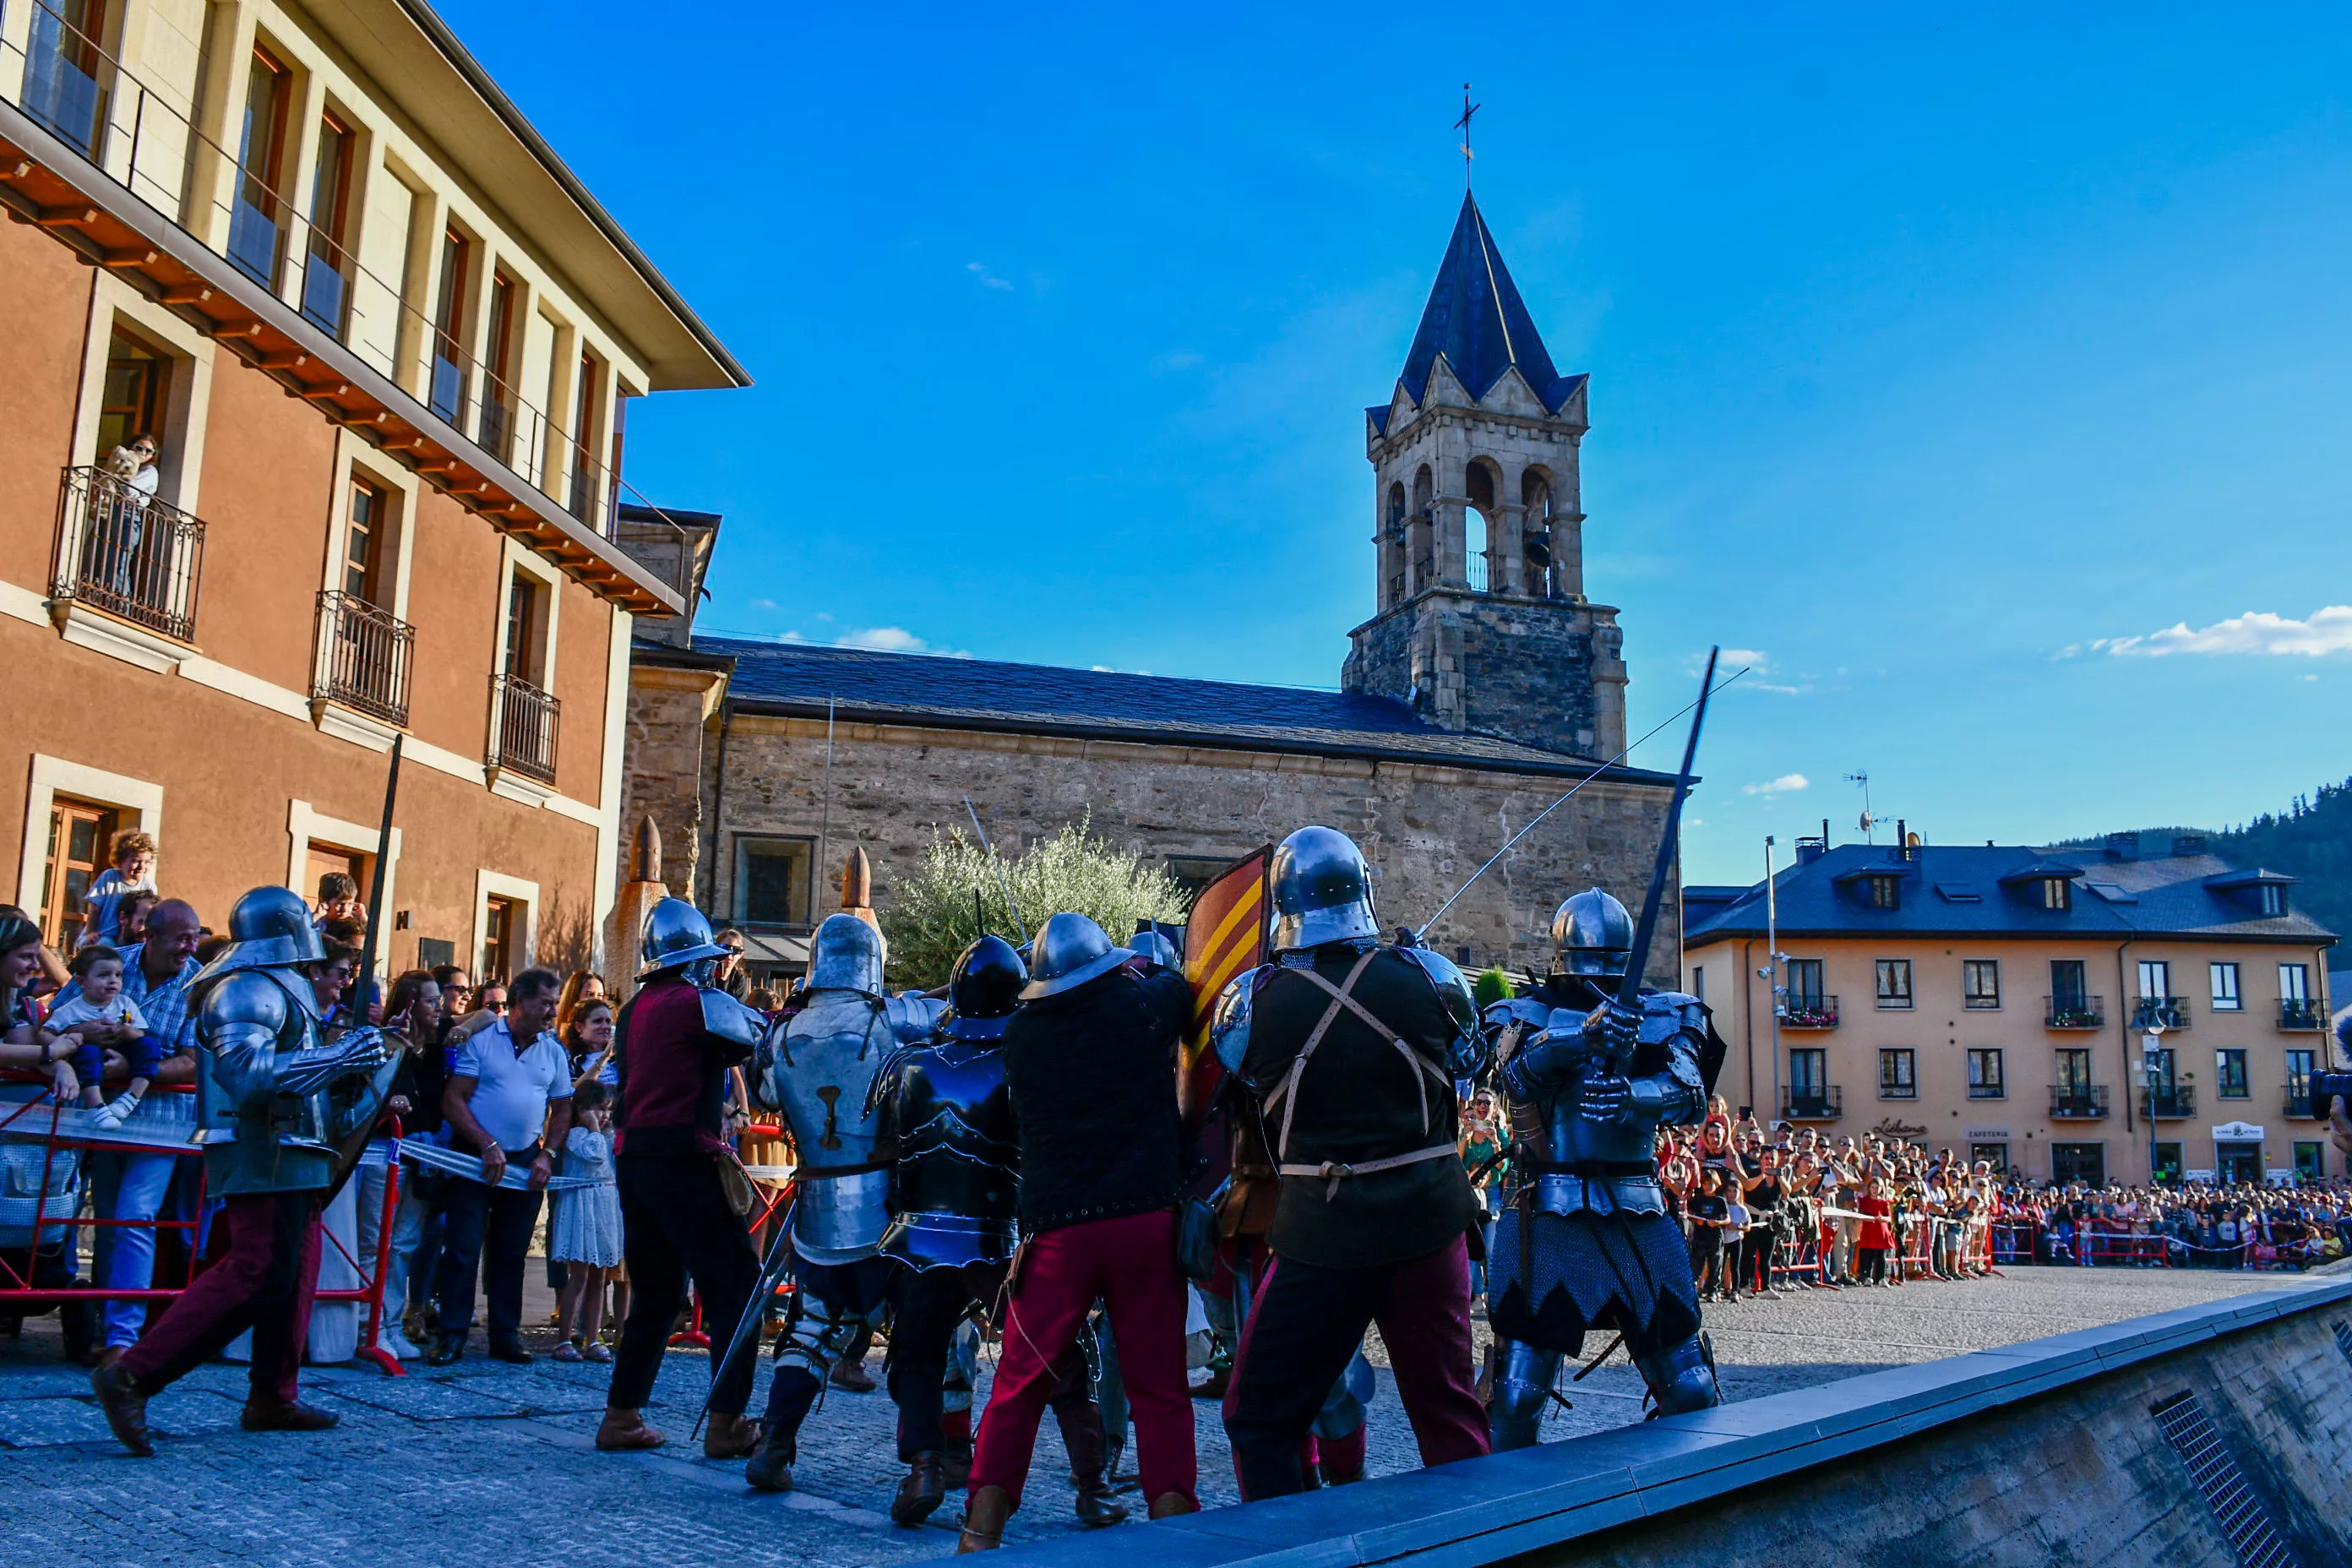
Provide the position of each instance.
(1483, 626)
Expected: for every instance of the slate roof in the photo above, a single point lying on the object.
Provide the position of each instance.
(1964, 890)
(1477, 320)
(1037, 699)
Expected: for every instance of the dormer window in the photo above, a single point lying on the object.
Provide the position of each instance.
(2057, 893)
(1884, 893)
(2273, 898)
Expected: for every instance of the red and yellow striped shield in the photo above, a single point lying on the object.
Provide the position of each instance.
(1224, 936)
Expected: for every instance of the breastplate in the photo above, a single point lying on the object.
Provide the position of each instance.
(1621, 1174)
(295, 1121)
(824, 1081)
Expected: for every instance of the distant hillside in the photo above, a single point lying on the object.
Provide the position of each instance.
(2311, 840)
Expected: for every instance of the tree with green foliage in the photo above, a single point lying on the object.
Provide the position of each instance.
(1492, 985)
(938, 911)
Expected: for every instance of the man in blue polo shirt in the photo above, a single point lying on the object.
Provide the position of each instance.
(509, 1099)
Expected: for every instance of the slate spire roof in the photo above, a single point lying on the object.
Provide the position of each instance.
(1477, 320)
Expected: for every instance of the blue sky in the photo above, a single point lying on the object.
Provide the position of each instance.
(1947, 361)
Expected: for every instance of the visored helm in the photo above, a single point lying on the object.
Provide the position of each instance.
(1153, 944)
(676, 934)
(1322, 891)
(1591, 934)
(270, 927)
(845, 956)
(1070, 951)
(988, 975)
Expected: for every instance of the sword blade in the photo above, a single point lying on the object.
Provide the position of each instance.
(1629, 991)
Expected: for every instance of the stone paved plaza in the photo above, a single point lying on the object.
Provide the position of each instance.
(491, 1464)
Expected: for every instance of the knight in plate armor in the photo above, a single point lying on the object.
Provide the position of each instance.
(1351, 1046)
(946, 1120)
(675, 1046)
(282, 1114)
(1586, 1239)
(822, 1070)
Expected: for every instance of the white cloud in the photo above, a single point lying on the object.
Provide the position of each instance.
(1759, 661)
(2257, 631)
(885, 639)
(981, 271)
(1784, 784)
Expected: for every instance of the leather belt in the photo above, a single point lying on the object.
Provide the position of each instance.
(1334, 1172)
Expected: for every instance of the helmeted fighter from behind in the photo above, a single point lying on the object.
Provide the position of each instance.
(820, 1068)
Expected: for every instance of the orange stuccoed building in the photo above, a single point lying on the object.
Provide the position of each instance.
(314, 364)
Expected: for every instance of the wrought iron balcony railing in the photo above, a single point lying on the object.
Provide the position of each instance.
(2073, 1012)
(2301, 1013)
(2078, 1103)
(2173, 1104)
(1824, 1104)
(2166, 1012)
(522, 736)
(1810, 1013)
(364, 656)
(2298, 1100)
(120, 550)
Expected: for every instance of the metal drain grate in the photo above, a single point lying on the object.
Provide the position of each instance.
(2344, 1337)
(2191, 1431)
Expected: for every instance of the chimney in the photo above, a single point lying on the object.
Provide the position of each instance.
(2189, 843)
(1903, 838)
(2123, 845)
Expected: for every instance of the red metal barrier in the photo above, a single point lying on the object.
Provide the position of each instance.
(39, 1118)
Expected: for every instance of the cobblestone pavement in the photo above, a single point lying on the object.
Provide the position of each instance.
(491, 1464)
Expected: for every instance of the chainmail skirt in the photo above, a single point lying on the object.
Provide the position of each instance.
(1630, 1272)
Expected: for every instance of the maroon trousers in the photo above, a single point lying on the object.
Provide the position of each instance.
(1130, 1265)
(1303, 1325)
(264, 1272)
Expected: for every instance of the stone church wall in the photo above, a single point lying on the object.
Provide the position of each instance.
(1542, 672)
(1424, 829)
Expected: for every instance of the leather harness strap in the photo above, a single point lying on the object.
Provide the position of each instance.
(1334, 1172)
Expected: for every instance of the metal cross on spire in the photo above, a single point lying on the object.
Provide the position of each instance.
(1462, 125)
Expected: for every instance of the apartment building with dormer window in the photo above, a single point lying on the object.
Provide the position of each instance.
(381, 344)
(2000, 1002)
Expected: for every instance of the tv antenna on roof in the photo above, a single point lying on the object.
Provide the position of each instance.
(1862, 776)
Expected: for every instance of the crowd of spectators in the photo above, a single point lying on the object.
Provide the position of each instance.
(1771, 1211)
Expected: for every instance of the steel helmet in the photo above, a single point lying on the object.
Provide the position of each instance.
(1322, 891)
(1070, 951)
(676, 934)
(846, 956)
(1152, 944)
(1591, 934)
(988, 975)
(270, 927)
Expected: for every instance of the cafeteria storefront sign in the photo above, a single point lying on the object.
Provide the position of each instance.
(2237, 1132)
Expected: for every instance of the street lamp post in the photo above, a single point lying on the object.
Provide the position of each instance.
(2151, 1057)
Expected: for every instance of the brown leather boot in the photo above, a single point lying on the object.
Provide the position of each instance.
(625, 1431)
(1096, 1508)
(125, 1408)
(729, 1438)
(925, 1488)
(983, 1521)
(285, 1416)
(770, 1469)
(1168, 1505)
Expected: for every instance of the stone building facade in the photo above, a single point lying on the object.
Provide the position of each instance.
(1484, 688)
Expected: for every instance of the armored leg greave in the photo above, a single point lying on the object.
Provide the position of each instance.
(1681, 1377)
(1523, 1385)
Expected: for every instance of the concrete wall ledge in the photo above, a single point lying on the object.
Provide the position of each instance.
(1482, 1509)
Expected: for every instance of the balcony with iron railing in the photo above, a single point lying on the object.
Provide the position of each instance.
(2073, 1012)
(1826, 1103)
(1810, 1013)
(2298, 1101)
(121, 550)
(2174, 1103)
(144, 140)
(2164, 1011)
(2078, 1103)
(364, 658)
(2301, 1013)
(522, 728)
